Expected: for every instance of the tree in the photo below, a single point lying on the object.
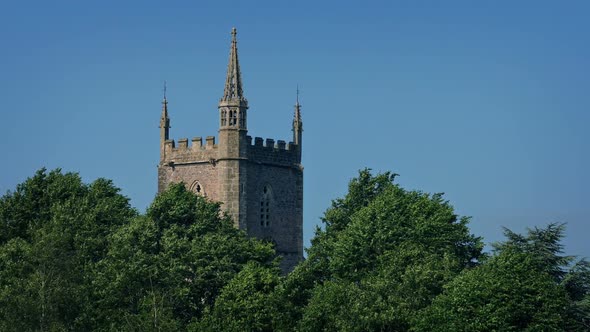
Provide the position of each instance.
(167, 268)
(245, 303)
(392, 250)
(76, 256)
(53, 229)
(525, 286)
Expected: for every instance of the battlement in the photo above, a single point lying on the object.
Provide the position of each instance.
(270, 144)
(267, 151)
(195, 152)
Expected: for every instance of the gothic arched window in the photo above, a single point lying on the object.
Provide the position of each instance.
(265, 206)
(224, 117)
(233, 117)
(197, 188)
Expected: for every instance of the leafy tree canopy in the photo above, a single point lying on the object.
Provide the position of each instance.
(396, 248)
(76, 256)
(53, 229)
(526, 286)
(163, 270)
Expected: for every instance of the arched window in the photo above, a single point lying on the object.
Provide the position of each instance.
(224, 117)
(233, 117)
(265, 206)
(197, 188)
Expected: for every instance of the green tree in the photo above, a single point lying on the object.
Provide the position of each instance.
(53, 229)
(392, 250)
(544, 244)
(245, 303)
(526, 286)
(76, 256)
(167, 268)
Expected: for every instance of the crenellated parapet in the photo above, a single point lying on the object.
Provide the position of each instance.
(183, 152)
(270, 152)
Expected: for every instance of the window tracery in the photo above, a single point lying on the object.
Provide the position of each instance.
(224, 117)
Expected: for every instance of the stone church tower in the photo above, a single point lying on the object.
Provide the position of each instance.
(260, 183)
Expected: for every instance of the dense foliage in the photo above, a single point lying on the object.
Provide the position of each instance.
(77, 257)
(525, 286)
(383, 255)
(53, 231)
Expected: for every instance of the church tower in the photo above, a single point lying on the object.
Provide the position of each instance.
(260, 183)
(232, 139)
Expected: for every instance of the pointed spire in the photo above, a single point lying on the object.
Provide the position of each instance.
(164, 119)
(164, 109)
(164, 104)
(297, 123)
(233, 91)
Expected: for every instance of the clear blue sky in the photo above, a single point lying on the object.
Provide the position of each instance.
(487, 101)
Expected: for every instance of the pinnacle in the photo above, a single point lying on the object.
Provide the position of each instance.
(233, 91)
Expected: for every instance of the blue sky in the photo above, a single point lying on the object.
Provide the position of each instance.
(485, 101)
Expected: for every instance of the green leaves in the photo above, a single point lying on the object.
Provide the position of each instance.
(76, 256)
(177, 258)
(508, 293)
(246, 303)
(384, 251)
(53, 229)
(526, 286)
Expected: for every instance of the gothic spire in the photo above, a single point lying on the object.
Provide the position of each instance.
(164, 108)
(164, 119)
(297, 116)
(297, 103)
(165, 105)
(233, 83)
(297, 122)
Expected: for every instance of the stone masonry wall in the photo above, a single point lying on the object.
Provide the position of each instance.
(190, 164)
(206, 174)
(286, 209)
(269, 152)
(235, 172)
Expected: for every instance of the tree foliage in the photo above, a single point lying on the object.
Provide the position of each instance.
(528, 285)
(245, 303)
(167, 267)
(384, 250)
(53, 229)
(76, 256)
